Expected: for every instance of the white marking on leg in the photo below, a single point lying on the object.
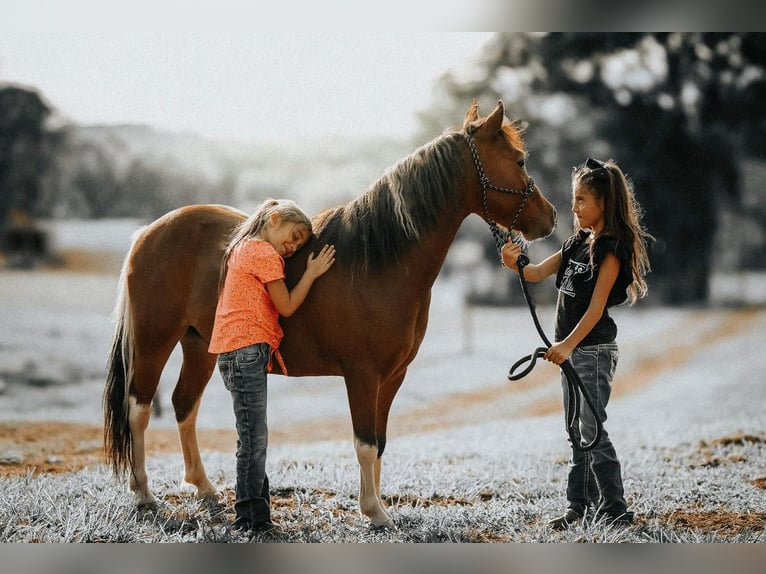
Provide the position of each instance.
(378, 463)
(195, 479)
(369, 500)
(138, 419)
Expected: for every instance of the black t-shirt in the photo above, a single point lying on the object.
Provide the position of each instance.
(576, 280)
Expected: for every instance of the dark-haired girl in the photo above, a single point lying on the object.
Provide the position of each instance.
(603, 264)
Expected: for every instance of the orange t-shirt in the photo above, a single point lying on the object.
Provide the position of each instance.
(245, 314)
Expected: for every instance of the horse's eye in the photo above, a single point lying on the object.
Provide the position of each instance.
(522, 162)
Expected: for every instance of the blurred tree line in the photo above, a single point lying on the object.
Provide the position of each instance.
(681, 113)
(53, 169)
(98, 175)
(65, 170)
(26, 151)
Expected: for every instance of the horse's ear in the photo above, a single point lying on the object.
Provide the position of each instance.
(472, 114)
(495, 119)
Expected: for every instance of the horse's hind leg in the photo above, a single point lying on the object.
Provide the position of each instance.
(148, 368)
(197, 367)
(138, 420)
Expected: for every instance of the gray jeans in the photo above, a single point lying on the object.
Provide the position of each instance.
(595, 479)
(244, 376)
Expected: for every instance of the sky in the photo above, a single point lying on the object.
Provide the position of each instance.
(248, 86)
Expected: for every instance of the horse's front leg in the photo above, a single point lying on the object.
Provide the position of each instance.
(370, 502)
(362, 397)
(385, 398)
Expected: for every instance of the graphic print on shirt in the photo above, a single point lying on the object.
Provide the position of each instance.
(573, 268)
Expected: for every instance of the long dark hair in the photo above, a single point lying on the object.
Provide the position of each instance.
(622, 215)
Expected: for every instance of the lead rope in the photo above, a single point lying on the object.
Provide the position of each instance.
(574, 383)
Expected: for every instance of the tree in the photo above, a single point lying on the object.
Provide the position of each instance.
(25, 151)
(675, 110)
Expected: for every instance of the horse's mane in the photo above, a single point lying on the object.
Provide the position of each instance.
(373, 231)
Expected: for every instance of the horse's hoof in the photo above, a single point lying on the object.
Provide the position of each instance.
(147, 506)
(210, 495)
(187, 488)
(214, 504)
(384, 526)
(202, 491)
(144, 499)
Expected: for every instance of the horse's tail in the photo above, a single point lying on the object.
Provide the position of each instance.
(118, 441)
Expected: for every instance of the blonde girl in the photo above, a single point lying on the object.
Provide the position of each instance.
(246, 334)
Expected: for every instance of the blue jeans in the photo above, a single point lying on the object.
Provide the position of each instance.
(244, 375)
(595, 479)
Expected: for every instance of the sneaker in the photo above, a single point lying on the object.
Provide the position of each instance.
(241, 525)
(624, 519)
(565, 521)
(262, 529)
(612, 519)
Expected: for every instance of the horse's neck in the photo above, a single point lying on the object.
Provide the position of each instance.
(427, 259)
(424, 263)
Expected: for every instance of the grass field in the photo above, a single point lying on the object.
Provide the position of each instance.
(470, 457)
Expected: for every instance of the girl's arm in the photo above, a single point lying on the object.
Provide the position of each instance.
(607, 275)
(532, 273)
(287, 302)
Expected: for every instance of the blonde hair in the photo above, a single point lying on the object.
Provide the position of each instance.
(622, 216)
(288, 212)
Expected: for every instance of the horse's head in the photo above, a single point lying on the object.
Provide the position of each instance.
(507, 194)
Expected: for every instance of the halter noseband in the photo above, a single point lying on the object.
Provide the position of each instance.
(500, 237)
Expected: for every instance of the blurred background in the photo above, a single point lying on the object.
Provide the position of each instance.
(101, 135)
(110, 117)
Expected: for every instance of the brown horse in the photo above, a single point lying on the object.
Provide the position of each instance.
(364, 320)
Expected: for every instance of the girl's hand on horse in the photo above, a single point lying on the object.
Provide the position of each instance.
(510, 254)
(318, 265)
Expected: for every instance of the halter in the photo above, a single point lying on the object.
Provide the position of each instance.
(500, 237)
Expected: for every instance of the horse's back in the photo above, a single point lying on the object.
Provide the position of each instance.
(183, 241)
(190, 223)
(175, 264)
